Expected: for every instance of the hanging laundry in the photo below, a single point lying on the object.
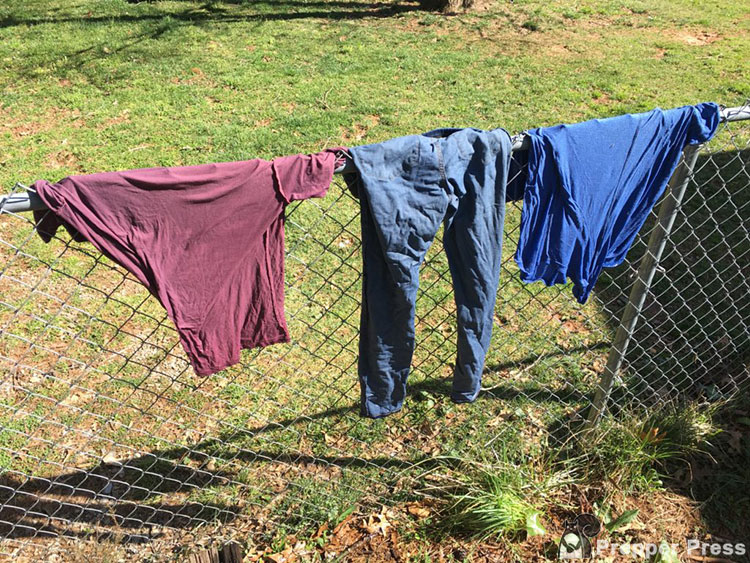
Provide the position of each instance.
(407, 187)
(590, 186)
(206, 240)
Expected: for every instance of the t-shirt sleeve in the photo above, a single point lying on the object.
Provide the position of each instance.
(47, 221)
(302, 176)
(704, 122)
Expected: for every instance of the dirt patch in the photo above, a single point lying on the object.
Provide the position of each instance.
(380, 536)
(62, 159)
(123, 117)
(603, 99)
(482, 6)
(694, 38)
(370, 538)
(194, 77)
(21, 127)
(27, 129)
(592, 22)
(358, 131)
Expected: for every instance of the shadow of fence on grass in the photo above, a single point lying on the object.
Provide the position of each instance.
(137, 499)
(691, 344)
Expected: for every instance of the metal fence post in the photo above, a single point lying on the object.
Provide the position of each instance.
(667, 213)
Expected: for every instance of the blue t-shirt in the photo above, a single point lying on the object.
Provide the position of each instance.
(590, 187)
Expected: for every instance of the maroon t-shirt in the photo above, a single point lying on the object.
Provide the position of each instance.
(206, 240)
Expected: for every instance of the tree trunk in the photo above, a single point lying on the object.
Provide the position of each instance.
(446, 6)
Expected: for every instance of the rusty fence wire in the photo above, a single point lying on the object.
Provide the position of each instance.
(106, 434)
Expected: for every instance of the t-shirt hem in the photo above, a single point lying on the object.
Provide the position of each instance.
(559, 271)
(583, 288)
(245, 345)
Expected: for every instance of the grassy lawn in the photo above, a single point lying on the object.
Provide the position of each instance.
(105, 432)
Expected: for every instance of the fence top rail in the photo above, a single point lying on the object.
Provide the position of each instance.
(736, 114)
(27, 200)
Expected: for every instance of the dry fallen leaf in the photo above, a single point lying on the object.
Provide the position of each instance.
(415, 509)
(377, 523)
(110, 458)
(286, 556)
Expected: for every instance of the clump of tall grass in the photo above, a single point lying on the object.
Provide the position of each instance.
(626, 452)
(630, 451)
(505, 498)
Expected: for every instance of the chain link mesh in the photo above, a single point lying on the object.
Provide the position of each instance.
(106, 434)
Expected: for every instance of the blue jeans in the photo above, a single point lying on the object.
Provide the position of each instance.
(407, 187)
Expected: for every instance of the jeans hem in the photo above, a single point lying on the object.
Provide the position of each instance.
(380, 413)
(464, 398)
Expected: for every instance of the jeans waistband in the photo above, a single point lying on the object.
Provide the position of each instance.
(447, 131)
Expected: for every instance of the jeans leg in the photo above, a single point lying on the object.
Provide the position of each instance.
(386, 340)
(400, 215)
(473, 244)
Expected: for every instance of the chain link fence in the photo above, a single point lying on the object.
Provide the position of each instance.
(106, 434)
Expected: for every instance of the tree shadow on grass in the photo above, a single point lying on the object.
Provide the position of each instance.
(156, 25)
(214, 12)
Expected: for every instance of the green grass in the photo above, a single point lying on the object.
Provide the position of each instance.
(260, 79)
(110, 85)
